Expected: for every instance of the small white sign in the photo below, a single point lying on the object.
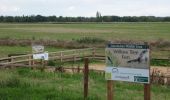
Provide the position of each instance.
(127, 62)
(37, 49)
(43, 56)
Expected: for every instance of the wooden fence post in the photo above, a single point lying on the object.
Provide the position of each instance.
(12, 60)
(94, 52)
(30, 60)
(9, 60)
(147, 87)
(74, 57)
(86, 72)
(147, 92)
(61, 56)
(110, 90)
(80, 55)
(43, 63)
(78, 69)
(83, 54)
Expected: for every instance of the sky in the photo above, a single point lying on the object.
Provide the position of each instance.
(87, 8)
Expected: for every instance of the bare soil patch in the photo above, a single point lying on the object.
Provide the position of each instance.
(163, 70)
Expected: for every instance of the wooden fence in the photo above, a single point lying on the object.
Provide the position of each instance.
(62, 56)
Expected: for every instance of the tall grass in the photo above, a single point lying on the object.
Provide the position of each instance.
(27, 84)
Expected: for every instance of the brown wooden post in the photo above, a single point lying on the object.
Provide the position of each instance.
(61, 55)
(74, 57)
(42, 65)
(12, 60)
(30, 60)
(86, 72)
(78, 69)
(147, 87)
(147, 92)
(94, 52)
(110, 90)
(9, 60)
(83, 54)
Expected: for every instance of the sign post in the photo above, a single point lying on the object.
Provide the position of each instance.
(130, 63)
(110, 90)
(147, 93)
(86, 72)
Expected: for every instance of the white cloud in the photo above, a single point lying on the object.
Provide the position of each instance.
(8, 8)
(71, 8)
(85, 7)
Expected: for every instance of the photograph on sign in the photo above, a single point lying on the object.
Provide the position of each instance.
(127, 62)
(37, 48)
(127, 57)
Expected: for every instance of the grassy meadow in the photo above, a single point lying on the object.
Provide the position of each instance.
(144, 31)
(109, 31)
(27, 84)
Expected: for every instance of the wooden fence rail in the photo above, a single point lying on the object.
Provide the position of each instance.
(63, 56)
(67, 55)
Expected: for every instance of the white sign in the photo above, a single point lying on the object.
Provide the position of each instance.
(126, 74)
(43, 56)
(37, 48)
(127, 62)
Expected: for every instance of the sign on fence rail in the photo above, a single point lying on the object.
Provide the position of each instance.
(37, 49)
(43, 56)
(127, 62)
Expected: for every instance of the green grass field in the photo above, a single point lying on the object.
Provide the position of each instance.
(27, 84)
(145, 31)
(108, 31)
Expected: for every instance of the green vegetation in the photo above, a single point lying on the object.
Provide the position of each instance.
(160, 62)
(86, 34)
(5, 50)
(90, 40)
(112, 31)
(98, 18)
(27, 84)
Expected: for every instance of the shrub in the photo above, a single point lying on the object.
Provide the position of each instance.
(92, 40)
(51, 63)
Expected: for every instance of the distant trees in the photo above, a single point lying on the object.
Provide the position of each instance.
(98, 18)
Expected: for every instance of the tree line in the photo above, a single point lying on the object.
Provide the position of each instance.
(98, 18)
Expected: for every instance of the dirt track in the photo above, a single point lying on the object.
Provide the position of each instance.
(161, 69)
(101, 67)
